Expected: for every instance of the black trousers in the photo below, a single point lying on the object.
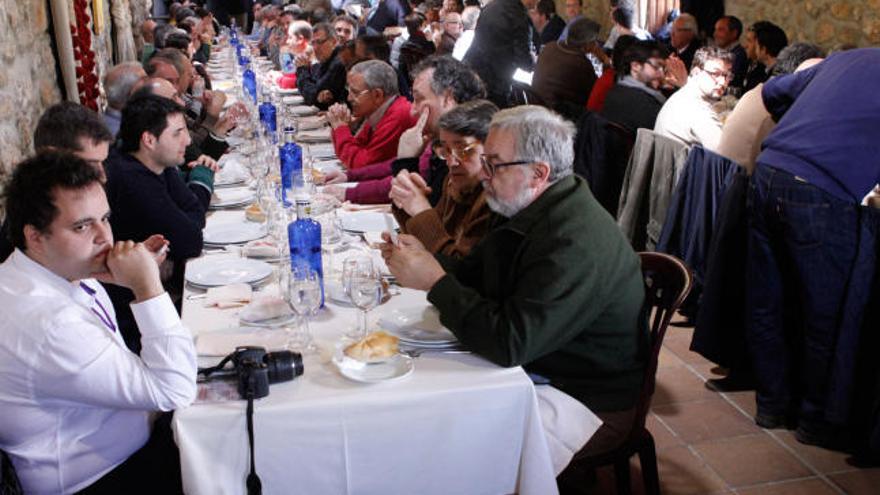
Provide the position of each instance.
(155, 468)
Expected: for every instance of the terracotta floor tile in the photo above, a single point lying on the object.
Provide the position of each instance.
(663, 436)
(704, 369)
(861, 482)
(823, 460)
(683, 473)
(745, 400)
(668, 358)
(750, 460)
(679, 384)
(811, 486)
(681, 347)
(705, 420)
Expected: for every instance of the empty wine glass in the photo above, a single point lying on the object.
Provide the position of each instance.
(364, 289)
(304, 298)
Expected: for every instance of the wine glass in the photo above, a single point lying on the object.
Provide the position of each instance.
(304, 298)
(364, 289)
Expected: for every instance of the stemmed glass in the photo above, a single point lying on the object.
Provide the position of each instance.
(363, 287)
(304, 298)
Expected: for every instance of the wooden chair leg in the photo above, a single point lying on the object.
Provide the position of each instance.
(648, 459)
(622, 477)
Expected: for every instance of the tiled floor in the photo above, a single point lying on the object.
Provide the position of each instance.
(707, 442)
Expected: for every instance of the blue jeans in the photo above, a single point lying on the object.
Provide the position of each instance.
(802, 249)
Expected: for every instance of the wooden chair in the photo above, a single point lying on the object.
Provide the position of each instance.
(667, 283)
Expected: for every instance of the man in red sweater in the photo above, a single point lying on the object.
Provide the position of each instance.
(369, 132)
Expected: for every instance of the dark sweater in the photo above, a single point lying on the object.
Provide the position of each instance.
(563, 78)
(557, 289)
(329, 75)
(829, 129)
(631, 108)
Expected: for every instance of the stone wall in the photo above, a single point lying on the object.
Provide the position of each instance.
(828, 23)
(28, 83)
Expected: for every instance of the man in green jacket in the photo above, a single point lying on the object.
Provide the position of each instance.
(555, 288)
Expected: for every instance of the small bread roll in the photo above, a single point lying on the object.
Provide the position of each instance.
(377, 345)
(254, 213)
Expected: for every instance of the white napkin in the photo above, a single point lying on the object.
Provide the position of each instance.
(313, 122)
(229, 296)
(265, 308)
(222, 343)
(262, 248)
(349, 206)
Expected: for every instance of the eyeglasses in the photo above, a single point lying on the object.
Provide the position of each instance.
(719, 74)
(462, 153)
(658, 66)
(318, 42)
(490, 168)
(356, 94)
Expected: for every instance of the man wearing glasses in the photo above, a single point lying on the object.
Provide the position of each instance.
(555, 288)
(689, 116)
(323, 83)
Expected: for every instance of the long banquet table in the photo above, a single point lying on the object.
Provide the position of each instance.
(457, 425)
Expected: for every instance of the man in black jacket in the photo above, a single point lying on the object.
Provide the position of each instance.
(322, 84)
(502, 44)
(148, 195)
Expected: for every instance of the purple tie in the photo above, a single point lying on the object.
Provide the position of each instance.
(105, 318)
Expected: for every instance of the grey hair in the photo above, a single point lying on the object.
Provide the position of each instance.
(378, 75)
(300, 28)
(540, 135)
(688, 21)
(469, 119)
(469, 17)
(582, 32)
(119, 81)
(794, 55)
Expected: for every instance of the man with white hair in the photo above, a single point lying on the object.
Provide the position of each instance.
(683, 38)
(556, 288)
(469, 17)
(118, 82)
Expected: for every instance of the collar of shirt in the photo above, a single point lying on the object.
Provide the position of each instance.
(52, 281)
(377, 114)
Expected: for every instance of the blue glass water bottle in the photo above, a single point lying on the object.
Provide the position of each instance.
(290, 155)
(249, 82)
(268, 113)
(304, 237)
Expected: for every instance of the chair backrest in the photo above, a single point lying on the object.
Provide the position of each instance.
(9, 484)
(667, 283)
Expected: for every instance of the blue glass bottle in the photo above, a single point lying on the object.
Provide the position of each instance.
(249, 81)
(268, 112)
(290, 156)
(304, 237)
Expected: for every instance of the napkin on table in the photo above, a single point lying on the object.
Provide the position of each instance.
(229, 296)
(223, 343)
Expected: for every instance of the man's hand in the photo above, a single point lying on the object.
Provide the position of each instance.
(676, 72)
(409, 192)
(410, 263)
(304, 59)
(337, 115)
(213, 101)
(337, 192)
(205, 161)
(133, 266)
(413, 140)
(335, 177)
(157, 245)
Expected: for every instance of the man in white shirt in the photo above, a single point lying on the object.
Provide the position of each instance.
(76, 402)
(689, 115)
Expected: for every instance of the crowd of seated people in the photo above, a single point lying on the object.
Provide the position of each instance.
(525, 266)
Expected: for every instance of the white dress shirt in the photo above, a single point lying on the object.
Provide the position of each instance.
(75, 401)
(688, 117)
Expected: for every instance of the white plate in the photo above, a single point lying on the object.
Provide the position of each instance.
(293, 100)
(392, 369)
(214, 272)
(323, 151)
(275, 321)
(233, 232)
(232, 173)
(232, 197)
(287, 91)
(366, 221)
(417, 326)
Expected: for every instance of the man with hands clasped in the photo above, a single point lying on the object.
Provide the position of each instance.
(555, 287)
(77, 404)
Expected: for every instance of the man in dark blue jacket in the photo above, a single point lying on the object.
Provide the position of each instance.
(147, 193)
(804, 235)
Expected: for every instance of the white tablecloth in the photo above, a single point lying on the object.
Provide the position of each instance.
(457, 425)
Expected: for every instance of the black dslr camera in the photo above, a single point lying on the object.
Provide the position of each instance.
(254, 369)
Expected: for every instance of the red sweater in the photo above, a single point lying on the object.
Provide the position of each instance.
(373, 144)
(600, 91)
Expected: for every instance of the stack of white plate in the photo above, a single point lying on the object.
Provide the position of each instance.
(222, 234)
(419, 328)
(231, 198)
(215, 271)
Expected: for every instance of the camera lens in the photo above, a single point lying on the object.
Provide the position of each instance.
(283, 366)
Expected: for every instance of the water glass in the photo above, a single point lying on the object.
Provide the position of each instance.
(363, 286)
(304, 298)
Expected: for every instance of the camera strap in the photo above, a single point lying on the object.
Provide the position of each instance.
(254, 486)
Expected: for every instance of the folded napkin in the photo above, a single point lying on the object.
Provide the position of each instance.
(349, 206)
(229, 296)
(314, 122)
(265, 308)
(262, 248)
(314, 136)
(223, 343)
